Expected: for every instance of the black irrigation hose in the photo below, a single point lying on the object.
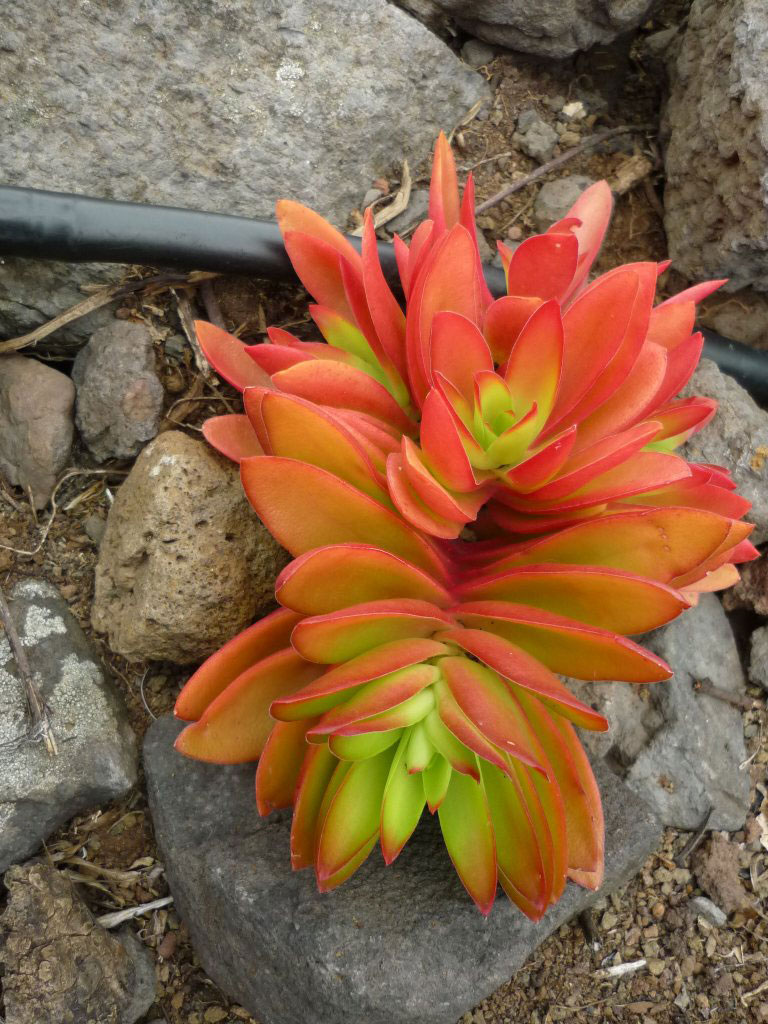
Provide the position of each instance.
(78, 229)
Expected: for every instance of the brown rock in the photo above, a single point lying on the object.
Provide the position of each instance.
(184, 563)
(717, 871)
(36, 426)
(60, 966)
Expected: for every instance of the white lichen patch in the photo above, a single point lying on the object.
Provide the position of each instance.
(162, 462)
(39, 624)
(290, 71)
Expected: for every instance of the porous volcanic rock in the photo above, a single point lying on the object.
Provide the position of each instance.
(548, 28)
(677, 748)
(737, 438)
(758, 661)
(61, 966)
(556, 197)
(97, 758)
(119, 395)
(716, 123)
(184, 562)
(36, 426)
(397, 945)
(224, 105)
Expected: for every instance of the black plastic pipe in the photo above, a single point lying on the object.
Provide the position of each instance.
(79, 229)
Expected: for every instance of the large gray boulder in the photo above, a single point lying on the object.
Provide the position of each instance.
(716, 196)
(677, 748)
(224, 105)
(548, 28)
(97, 758)
(397, 945)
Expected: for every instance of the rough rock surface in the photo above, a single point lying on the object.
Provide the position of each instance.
(716, 196)
(97, 750)
(395, 945)
(555, 198)
(737, 438)
(119, 395)
(535, 137)
(758, 662)
(35, 291)
(184, 563)
(678, 749)
(752, 589)
(222, 106)
(549, 28)
(60, 966)
(36, 427)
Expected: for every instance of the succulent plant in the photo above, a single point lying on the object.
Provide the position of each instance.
(480, 496)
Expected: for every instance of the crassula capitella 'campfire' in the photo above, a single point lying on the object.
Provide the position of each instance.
(415, 662)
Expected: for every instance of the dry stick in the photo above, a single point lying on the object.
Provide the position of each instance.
(211, 303)
(187, 320)
(551, 165)
(682, 858)
(101, 298)
(38, 712)
(710, 690)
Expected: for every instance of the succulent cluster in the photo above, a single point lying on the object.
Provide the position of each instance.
(480, 496)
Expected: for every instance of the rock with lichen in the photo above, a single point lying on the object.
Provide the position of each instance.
(96, 760)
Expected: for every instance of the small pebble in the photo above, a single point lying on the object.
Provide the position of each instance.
(656, 967)
(575, 111)
(703, 907)
(94, 527)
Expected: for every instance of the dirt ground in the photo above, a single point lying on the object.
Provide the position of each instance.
(692, 971)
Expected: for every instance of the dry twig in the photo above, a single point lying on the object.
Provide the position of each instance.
(40, 722)
(558, 161)
(682, 858)
(100, 298)
(710, 690)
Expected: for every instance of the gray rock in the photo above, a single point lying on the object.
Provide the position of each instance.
(538, 140)
(555, 198)
(737, 438)
(184, 563)
(477, 53)
(97, 749)
(678, 749)
(704, 907)
(716, 121)
(527, 118)
(33, 292)
(416, 211)
(371, 196)
(222, 106)
(549, 28)
(758, 662)
(60, 965)
(36, 427)
(393, 945)
(119, 395)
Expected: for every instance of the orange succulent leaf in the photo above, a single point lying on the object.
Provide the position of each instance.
(444, 187)
(232, 436)
(277, 489)
(280, 765)
(323, 694)
(258, 641)
(229, 357)
(331, 578)
(236, 725)
(341, 635)
(565, 645)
